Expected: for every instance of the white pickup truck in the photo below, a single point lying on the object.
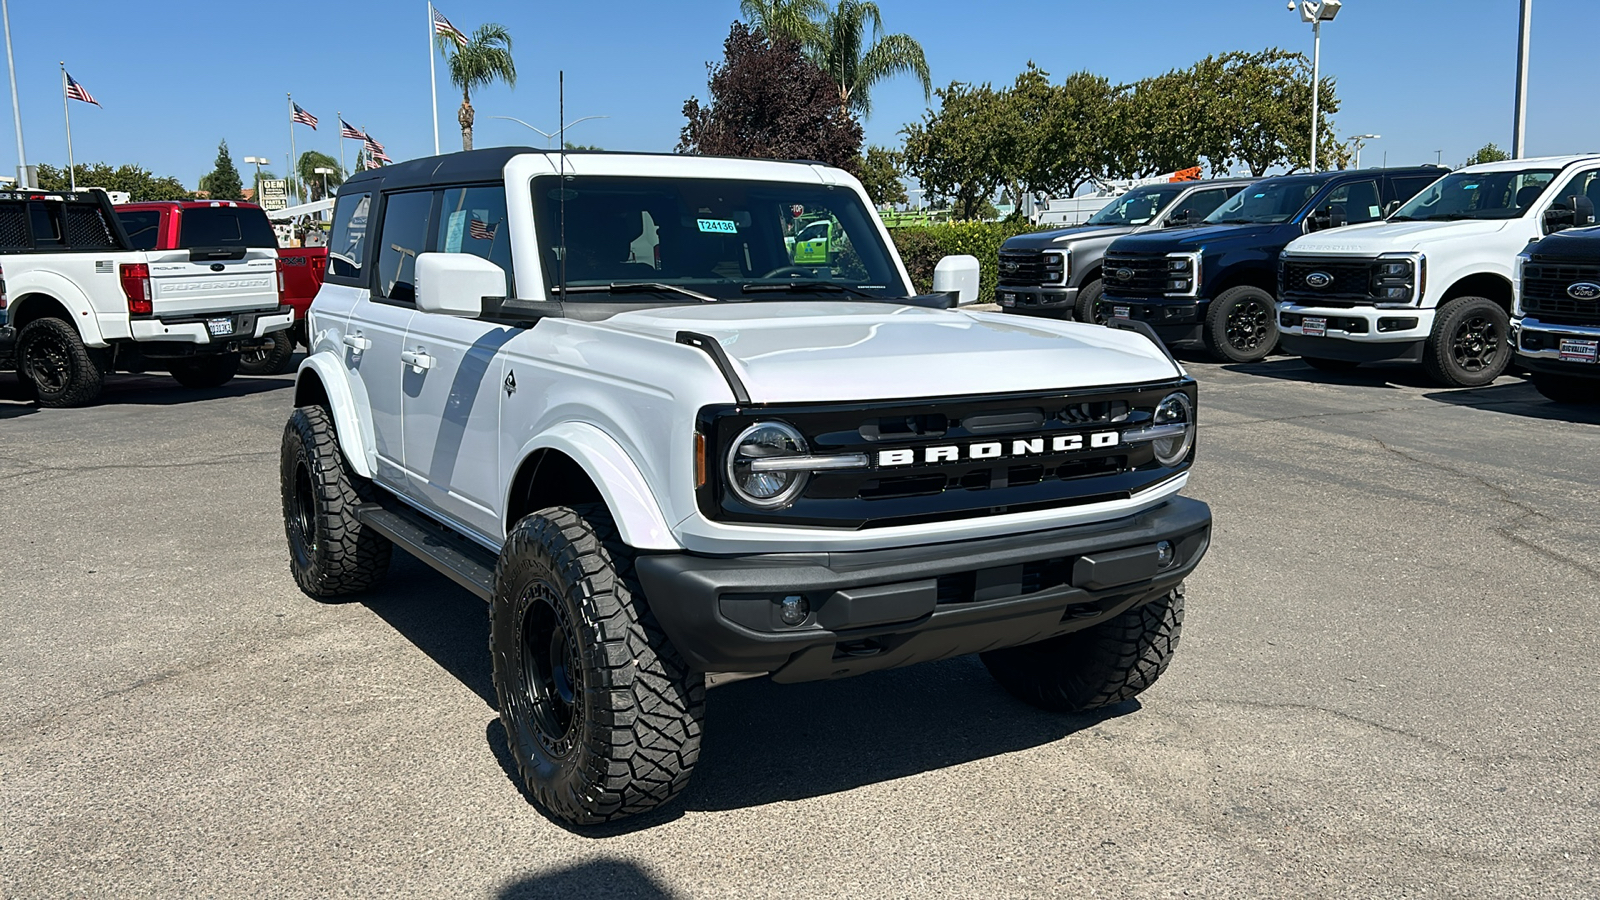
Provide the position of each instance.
(602, 392)
(1433, 282)
(80, 302)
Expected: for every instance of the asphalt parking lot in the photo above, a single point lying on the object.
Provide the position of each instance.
(1388, 687)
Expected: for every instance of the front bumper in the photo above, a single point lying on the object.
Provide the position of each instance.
(1024, 299)
(193, 329)
(881, 609)
(1360, 324)
(1177, 320)
(1539, 347)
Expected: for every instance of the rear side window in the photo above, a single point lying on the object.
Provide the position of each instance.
(473, 220)
(143, 227)
(347, 244)
(44, 220)
(1409, 186)
(225, 226)
(405, 236)
(1202, 203)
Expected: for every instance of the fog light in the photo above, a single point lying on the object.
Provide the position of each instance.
(793, 610)
(1396, 324)
(1165, 554)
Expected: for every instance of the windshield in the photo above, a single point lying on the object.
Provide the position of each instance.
(1137, 207)
(1267, 202)
(1478, 195)
(719, 239)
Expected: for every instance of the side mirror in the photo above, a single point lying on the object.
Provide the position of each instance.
(1179, 219)
(1559, 217)
(958, 275)
(454, 284)
(1390, 207)
(1583, 211)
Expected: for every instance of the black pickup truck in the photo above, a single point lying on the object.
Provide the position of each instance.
(1557, 323)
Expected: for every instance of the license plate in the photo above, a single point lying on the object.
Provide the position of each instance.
(219, 327)
(1573, 350)
(1008, 299)
(1120, 312)
(1314, 326)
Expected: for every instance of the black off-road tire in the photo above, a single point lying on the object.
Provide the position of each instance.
(202, 372)
(1087, 308)
(1242, 325)
(331, 554)
(1330, 365)
(1567, 390)
(1470, 345)
(1097, 667)
(602, 714)
(274, 358)
(54, 364)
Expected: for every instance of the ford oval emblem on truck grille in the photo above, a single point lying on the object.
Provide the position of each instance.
(1124, 274)
(1319, 280)
(1584, 290)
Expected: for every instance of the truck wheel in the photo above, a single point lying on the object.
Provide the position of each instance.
(274, 358)
(1329, 365)
(1097, 667)
(205, 371)
(1242, 325)
(1088, 303)
(601, 713)
(1469, 345)
(330, 552)
(54, 363)
(1561, 389)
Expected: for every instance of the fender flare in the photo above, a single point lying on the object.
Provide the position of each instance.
(624, 489)
(352, 425)
(64, 292)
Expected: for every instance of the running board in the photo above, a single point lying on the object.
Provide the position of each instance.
(455, 557)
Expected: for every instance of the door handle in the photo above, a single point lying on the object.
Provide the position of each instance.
(357, 343)
(416, 359)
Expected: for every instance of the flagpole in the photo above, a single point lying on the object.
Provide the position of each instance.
(66, 110)
(23, 181)
(293, 154)
(342, 172)
(433, 80)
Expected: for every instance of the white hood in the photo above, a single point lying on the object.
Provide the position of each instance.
(822, 351)
(1392, 237)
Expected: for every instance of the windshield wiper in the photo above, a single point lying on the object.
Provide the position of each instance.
(796, 286)
(639, 287)
(1234, 222)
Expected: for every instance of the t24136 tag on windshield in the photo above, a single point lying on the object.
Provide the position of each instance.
(718, 226)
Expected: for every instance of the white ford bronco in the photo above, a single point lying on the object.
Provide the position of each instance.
(599, 391)
(79, 301)
(1433, 282)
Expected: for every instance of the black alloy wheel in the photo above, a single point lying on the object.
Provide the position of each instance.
(1241, 325)
(552, 672)
(1248, 325)
(54, 363)
(1469, 344)
(302, 514)
(1477, 344)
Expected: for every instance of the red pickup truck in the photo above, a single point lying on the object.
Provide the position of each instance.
(177, 225)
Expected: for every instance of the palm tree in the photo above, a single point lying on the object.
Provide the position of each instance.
(793, 19)
(310, 162)
(841, 50)
(484, 59)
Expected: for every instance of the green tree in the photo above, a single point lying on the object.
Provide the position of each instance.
(792, 19)
(137, 181)
(1486, 154)
(484, 59)
(881, 173)
(1262, 102)
(954, 151)
(842, 49)
(223, 182)
(310, 162)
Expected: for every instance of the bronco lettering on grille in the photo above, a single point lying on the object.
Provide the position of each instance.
(1016, 447)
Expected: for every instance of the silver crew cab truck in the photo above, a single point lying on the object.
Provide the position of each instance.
(1058, 273)
(597, 391)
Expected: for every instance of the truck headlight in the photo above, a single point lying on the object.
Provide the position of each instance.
(1175, 409)
(1516, 283)
(762, 486)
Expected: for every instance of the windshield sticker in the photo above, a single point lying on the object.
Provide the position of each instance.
(1372, 211)
(1469, 187)
(1258, 196)
(718, 226)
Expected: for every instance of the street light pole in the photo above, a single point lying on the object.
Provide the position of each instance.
(1316, 12)
(548, 135)
(1361, 140)
(1519, 126)
(24, 175)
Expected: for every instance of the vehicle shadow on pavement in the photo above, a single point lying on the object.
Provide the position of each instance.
(1293, 368)
(441, 619)
(1518, 398)
(152, 389)
(599, 879)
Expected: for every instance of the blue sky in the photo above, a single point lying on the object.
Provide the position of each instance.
(1428, 75)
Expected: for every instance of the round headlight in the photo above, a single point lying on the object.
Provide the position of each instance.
(1174, 409)
(771, 488)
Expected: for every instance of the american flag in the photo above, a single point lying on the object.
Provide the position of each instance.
(375, 150)
(303, 117)
(76, 91)
(441, 25)
(481, 230)
(346, 130)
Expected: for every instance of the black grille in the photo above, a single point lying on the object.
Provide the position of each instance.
(1135, 276)
(1029, 268)
(87, 228)
(13, 226)
(1352, 280)
(1545, 297)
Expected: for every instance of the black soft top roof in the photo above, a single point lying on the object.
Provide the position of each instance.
(452, 168)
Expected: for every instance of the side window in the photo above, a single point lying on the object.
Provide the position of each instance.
(404, 236)
(44, 218)
(473, 220)
(1406, 188)
(143, 227)
(1583, 184)
(1201, 204)
(347, 247)
(1360, 201)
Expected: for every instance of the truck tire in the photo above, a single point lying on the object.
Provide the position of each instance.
(331, 554)
(1329, 365)
(1242, 325)
(56, 366)
(205, 371)
(1469, 346)
(601, 713)
(1566, 390)
(273, 358)
(1088, 303)
(1096, 667)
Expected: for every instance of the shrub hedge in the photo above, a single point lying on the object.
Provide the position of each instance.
(922, 246)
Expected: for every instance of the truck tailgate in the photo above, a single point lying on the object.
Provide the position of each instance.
(185, 286)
